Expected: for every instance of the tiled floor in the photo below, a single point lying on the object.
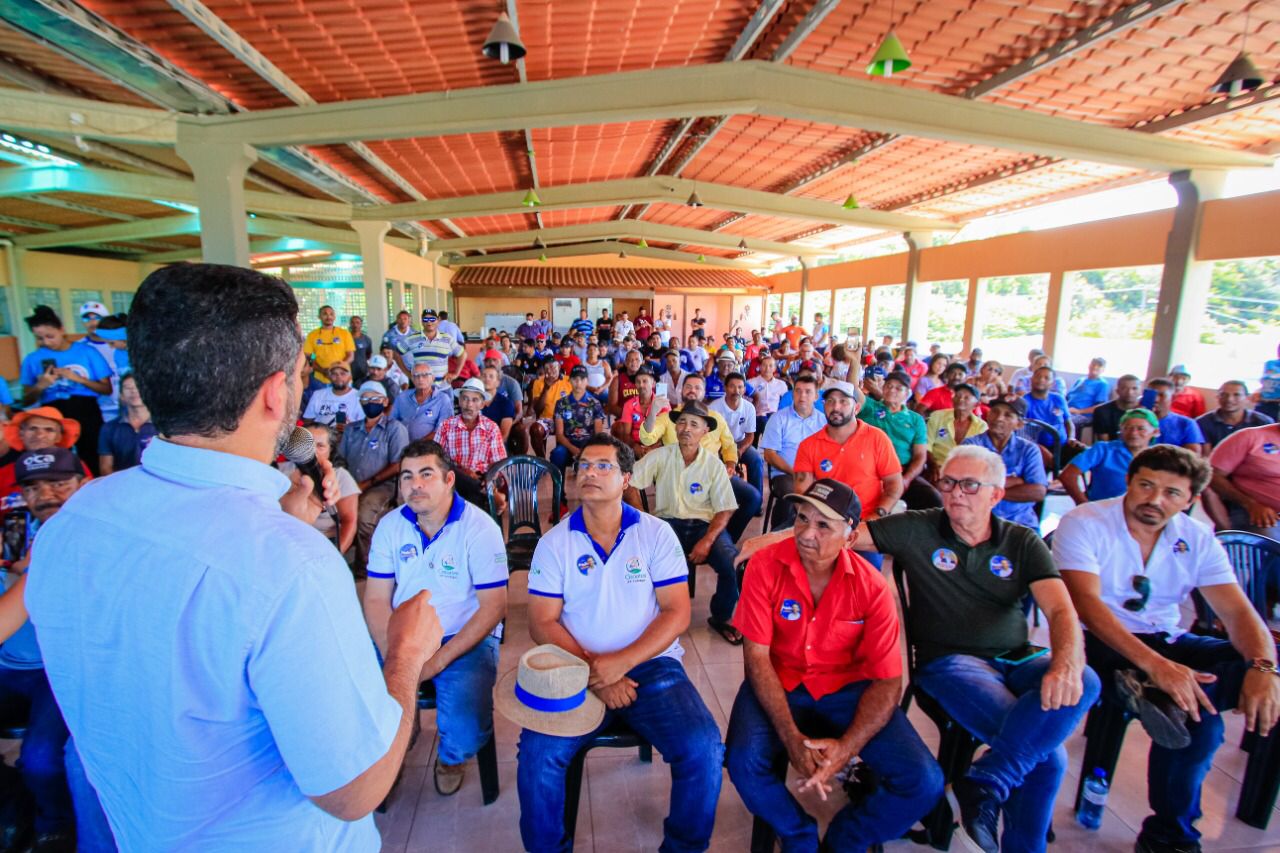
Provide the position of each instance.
(625, 801)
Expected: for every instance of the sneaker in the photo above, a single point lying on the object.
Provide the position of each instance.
(1163, 720)
(979, 816)
(1147, 844)
(448, 778)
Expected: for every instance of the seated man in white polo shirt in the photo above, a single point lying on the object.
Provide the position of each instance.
(608, 584)
(440, 543)
(1130, 564)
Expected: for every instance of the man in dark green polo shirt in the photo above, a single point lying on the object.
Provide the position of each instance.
(967, 573)
(885, 408)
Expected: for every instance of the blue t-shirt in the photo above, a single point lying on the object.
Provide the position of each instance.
(499, 407)
(1052, 410)
(1021, 459)
(1087, 393)
(1270, 389)
(119, 440)
(1109, 462)
(80, 357)
(1179, 429)
(784, 402)
(715, 387)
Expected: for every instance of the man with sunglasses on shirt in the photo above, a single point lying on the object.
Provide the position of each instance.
(967, 573)
(1131, 562)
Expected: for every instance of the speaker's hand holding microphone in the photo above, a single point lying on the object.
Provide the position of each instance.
(315, 477)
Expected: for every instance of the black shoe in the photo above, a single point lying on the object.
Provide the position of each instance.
(1163, 720)
(1146, 844)
(55, 842)
(979, 810)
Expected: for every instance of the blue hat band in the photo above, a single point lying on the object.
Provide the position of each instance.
(550, 706)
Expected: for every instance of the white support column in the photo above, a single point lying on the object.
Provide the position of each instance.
(1184, 284)
(915, 307)
(974, 314)
(19, 302)
(219, 170)
(434, 258)
(868, 326)
(397, 296)
(1056, 308)
(373, 264)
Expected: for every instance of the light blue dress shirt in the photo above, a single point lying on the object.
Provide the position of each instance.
(209, 656)
(1021, 459)
(423, 419)
(786, 429)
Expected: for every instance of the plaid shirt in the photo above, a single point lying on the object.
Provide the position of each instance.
(473, 450)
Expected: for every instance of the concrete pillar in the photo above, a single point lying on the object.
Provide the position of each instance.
(397, 298)
(1184, 285)
(373, 264)
(915, 307)
(434, 258)
(19, 302)
(1057, 307)
(219, 169)
(868, 326)
(974, 313)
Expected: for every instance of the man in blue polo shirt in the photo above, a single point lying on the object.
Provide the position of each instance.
(789, 426)
(1088, 393)
(1025, 482)
(1175, 429)
(438, 542)
(608, 585)
(1108, 461)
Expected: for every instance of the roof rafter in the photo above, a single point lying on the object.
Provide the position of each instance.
(607, 247)
(617, 229)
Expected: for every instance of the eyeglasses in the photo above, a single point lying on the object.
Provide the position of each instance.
(599, 467)
(1142, 586)
(969, 487)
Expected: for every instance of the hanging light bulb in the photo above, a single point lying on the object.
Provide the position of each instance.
(850, 203)
(503, 43)
(543, 257)
(623, 254)
(531, 199)
(644, 244)
(694, 201)
(742, 244)
(702, 259)
(537, 242)
(1241, 75)
(890, 57)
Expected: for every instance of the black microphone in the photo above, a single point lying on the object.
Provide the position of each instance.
(300, 449)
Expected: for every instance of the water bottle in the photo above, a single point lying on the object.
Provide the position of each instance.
(1094, 800)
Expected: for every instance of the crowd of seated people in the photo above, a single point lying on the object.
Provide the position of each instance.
(842, 437)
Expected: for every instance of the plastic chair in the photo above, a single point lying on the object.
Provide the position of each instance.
(524, 523)
(616, 735)
(1252, 555)
(1032, 429)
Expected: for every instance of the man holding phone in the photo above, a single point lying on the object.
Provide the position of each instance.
(967, 573)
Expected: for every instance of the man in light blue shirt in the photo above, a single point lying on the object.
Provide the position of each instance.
(422, 407)
(782, 436)
(1025, 480)
(202, 639)
(1088, 393)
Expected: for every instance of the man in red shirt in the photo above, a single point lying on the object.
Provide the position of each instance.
(1186, 401)
(824, 673)
(939, 398)
(852, 452)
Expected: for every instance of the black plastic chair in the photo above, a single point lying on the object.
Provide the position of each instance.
(13, 721)
(1032, 429)
(523, 523)
(616, 735)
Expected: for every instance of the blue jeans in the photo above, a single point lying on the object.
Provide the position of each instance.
(754, 460)
(670, 715)
(561, 458)
(723, 553)
(999, 704)
(1174, 776)
(910, 781)
(93, 833)
(464, 702)
(41, 760)
(748, 498)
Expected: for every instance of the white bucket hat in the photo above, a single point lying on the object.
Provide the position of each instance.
(547, 693)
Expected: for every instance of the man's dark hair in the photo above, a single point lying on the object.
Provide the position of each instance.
(625, 455)
(808, 378)
(330, 307)
(1159, 382)
(1177, 461)
(733, 376)
(203, 338)
(444, 315)
(1128, 377)
(427, 447)
(951, 368)
(113, 321)
(43, 315)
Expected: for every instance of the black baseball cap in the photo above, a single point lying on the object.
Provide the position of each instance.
(578, 371)
(901, 377)
(1015, 404)
(429, 313)
(53, 463)
(833, 499)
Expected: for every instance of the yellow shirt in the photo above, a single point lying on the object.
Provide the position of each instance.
(561, 388)
(697, 491)
(329, 347)
(719, 440)
(942, 433)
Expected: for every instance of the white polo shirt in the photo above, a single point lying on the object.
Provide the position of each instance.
(1093, 538)
(465, 555)
(741, 420)
(609, 597)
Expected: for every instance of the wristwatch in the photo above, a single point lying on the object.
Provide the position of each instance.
(1264, 665)
(881, 512)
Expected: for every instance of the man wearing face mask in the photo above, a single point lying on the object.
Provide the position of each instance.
(372, 448)
(208, 528)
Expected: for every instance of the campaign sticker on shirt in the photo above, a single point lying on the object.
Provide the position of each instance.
(586, 563)
(408, 552)
(942, 432)
(1001, 567)
(635, 572)
(790, 610)
(1270, 447)
(448, 567)
(881, 414)
(1181, 546)
(694, 488)
(825, 465)
(945, 559)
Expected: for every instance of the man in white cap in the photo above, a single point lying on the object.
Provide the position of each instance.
(440, 543)
(372, 448)
(91, 314)
(377, 369)
(472, 441)
(608, 585)
(1187, 401)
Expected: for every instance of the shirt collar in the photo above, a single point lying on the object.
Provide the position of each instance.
(630, 518)
(948, 532)
(455, 514)
(203, 468)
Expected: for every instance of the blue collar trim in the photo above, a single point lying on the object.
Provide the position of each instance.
(630, 518)
(458, 507)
